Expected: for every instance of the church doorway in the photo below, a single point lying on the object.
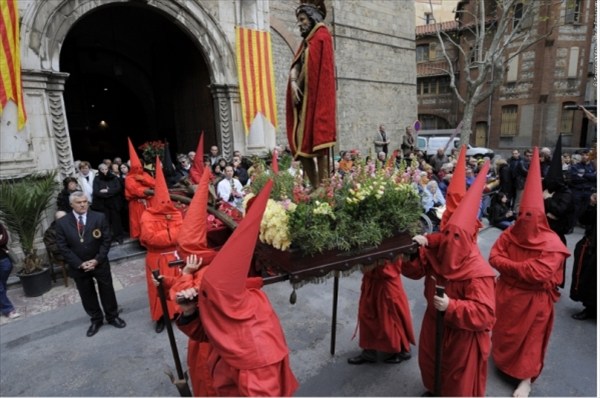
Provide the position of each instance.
(134, 73)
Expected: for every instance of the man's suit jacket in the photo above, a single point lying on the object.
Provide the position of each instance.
(95, 245)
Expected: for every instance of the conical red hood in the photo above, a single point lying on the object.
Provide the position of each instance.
(135, 164)
(457, 256)
(275, 162)
(457, 187)
(532, 193)
(465, 215)
(161, 203)
(531, 230)
(197, 168)
(192, 236)
(229, 270)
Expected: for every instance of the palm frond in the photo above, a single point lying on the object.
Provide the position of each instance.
(22, 206)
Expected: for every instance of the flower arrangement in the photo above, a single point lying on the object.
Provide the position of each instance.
(151, 149)
(355, 211)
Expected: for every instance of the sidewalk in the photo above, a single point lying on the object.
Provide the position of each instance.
(125, 273)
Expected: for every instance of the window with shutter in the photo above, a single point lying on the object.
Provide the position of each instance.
(508, 126)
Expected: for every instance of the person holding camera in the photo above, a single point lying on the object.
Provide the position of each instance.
(230, 189)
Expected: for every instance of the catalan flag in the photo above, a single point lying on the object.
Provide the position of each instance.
(10, 59)
(256, 77)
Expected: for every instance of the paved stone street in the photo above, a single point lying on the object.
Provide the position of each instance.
(49, 346)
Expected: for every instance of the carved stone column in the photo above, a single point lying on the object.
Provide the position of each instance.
(226, 99)
(60, 131)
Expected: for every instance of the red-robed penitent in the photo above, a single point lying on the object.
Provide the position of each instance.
(312, 127)
(384, 319)
(249, 354)
(453, 260)
(193, 240)
(160, 225)
(529, 257)
(137, 182)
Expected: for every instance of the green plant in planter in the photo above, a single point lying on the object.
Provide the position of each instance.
(23, 203)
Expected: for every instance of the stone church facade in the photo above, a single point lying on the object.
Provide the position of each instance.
(375, 61)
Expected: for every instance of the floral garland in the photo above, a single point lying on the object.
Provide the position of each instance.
(357, 210)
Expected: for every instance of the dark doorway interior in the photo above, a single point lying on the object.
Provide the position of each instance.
(133, 72)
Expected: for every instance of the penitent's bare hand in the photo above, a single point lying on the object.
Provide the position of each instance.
(441, 303)
(192, 265)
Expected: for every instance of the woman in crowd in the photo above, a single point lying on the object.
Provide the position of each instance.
(499, 213)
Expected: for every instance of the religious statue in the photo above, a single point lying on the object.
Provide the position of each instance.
(310, 98)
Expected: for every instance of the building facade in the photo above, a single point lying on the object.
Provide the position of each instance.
(533, 103)
(166, 69)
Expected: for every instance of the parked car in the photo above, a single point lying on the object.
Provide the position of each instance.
(434, 143)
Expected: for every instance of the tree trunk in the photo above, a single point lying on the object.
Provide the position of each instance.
(467, 122)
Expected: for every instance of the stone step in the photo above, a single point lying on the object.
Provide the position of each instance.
(118, 254)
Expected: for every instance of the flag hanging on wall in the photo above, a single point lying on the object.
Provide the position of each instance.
(256, 77)
(10, 59)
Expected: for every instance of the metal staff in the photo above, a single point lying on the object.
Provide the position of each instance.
(439, 335)
(181, 381)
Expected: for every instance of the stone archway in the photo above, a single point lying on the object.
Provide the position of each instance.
(45, 26)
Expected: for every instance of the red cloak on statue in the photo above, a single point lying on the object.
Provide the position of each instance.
(311, 124)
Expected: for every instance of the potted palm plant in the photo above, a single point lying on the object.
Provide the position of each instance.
(23, 204)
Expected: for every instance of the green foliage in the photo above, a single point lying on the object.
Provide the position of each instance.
(357, 216)
(283, 184)
(23, 203)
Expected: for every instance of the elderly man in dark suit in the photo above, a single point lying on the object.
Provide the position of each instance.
(83, 237)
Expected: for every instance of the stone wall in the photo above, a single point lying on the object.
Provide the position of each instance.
(375, 63)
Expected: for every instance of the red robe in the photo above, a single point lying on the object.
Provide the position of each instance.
(159, 236)
(311, 126)
(468, 319)
(135, 185)
(240, 367)
(199, 349)
(527, 291)
(383, 312)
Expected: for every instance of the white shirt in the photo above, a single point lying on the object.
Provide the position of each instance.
(224, 191)
(87, 185)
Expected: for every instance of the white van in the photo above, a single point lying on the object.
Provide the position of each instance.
(434, 143)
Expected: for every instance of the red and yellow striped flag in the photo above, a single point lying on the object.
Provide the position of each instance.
(10, 59)
(256, 77)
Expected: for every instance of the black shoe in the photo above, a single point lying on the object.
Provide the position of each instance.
(118, 323)
(583, 315)
(160, 326)
(365, 356)
(398, 357)
(359, 360)
(93, 329)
